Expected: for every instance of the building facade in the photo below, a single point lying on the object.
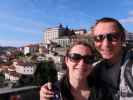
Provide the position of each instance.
(53, 33)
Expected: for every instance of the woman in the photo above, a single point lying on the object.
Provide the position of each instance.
(76, 85)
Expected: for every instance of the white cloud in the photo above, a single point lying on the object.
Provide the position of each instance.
(128, 20)
(130, 13)
(16, 43)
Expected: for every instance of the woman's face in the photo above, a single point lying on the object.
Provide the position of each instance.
(79, 61)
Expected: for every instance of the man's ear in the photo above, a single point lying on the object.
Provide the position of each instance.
(123, 41)
(66, 60)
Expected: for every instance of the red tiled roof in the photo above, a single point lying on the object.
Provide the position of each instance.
(32, 45)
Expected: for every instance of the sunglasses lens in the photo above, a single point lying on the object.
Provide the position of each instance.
(99, 38)
(89, 59)
(115, 37)
(110, 37)
(74, 56)
(77, 57)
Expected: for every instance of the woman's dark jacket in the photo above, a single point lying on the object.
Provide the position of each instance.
(96, 92)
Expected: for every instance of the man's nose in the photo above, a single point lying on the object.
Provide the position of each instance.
(105, 42)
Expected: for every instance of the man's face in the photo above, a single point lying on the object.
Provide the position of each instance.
(108, 41)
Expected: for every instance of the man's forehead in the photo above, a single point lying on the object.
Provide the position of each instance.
(105, 27)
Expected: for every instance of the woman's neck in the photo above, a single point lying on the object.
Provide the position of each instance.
(79, 89)
(77, 84)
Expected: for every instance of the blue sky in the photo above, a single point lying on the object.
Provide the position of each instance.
(23, 21)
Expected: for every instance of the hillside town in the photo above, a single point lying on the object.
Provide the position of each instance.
(35, 64)
(24, 60)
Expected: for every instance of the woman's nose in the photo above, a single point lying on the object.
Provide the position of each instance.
(81, 62)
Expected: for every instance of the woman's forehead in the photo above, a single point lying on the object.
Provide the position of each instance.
(80, 48)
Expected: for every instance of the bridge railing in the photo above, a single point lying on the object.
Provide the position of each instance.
(22, 93)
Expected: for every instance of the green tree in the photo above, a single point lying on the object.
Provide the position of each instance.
(45, 72)
(2, 79)
(19, 54)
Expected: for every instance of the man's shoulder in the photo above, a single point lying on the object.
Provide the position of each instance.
(98, 63)
(131, 54)
(98, 66)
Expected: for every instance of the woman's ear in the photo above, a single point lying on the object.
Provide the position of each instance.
(66, 59)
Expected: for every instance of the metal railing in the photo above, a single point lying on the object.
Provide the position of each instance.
(25, 93)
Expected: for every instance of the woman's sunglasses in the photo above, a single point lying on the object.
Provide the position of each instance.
(74, 57)
(110, 37)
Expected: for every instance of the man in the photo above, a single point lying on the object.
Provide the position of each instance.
(109, 73)
(109, 38)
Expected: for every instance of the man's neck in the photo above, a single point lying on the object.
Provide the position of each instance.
(116, 59)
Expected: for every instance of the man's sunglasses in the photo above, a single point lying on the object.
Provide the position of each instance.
(74, 57)
(112, 37)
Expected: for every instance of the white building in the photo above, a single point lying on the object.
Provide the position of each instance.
(80, 31)
(11, 74)
(129, 36)
(53, 33)
(25, 68)
(63, 42)
(56, 59)
(14, 76)
(7, 75)
(31, 49)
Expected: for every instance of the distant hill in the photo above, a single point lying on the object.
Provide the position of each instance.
(3, 49)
